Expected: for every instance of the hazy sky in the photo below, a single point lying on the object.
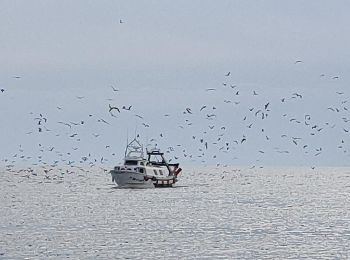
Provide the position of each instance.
(162, 58)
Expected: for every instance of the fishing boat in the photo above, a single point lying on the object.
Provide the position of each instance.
(140, 172)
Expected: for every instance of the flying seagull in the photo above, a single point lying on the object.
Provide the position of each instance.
(126, 108)
(111, 108)
(114, 89)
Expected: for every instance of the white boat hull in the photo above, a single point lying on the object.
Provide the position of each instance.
(131, 180)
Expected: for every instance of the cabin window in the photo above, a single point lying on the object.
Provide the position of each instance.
(141, 170)
(160, 172)
(141, 163)
(130, 162)
(155, 172)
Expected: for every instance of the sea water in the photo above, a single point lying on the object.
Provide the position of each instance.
(213, 213)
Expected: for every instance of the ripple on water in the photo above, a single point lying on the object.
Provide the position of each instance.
(245, 214)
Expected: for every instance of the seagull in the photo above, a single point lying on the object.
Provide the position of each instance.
(266, 105)
(16, 77)
(210, 89)
(189, 110)
(63, 123)
(2, 90)
(139, 116)
(297, 95)
(298, 61)
(126, 108)
(228, 74)
(120, 21)
(111, 108)
(114, 89)
(103, 121)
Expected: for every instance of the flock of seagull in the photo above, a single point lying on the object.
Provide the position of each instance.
(208, 131)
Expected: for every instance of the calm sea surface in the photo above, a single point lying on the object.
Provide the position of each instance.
(223, 213)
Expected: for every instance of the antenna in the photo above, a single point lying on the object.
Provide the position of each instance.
(127, 141)
(135, 131)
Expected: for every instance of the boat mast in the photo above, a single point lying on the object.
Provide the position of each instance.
(127, 143)
(167, 165)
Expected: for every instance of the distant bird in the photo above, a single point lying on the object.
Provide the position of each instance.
(114, 89)
(103, 121)
(297, 95)
(211, 115)
(189, 110)
(335, 77)
(210, 89)
(80, 97)
(126, 108)
(121, 21)
(16, 77)
(63, 123)
(228, 74)
(145, 125)
(202, 108)
(111, 108)
(139, 116)
(298, 61)
(254, 93)
(2, 90)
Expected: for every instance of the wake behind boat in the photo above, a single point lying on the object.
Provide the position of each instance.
(140, 172)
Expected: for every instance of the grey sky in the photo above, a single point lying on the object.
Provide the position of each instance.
(162, 57)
